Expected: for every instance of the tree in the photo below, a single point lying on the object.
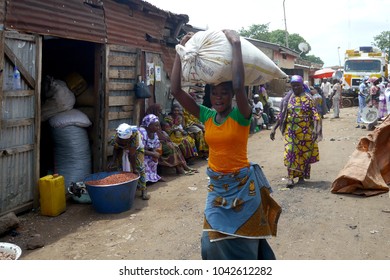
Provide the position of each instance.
(313, 59)
(278, 37)
(261, 32)
(256, 31)
(382, 41)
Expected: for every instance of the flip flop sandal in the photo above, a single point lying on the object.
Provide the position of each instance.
(194, 170)
(188, 173)
(290, 184)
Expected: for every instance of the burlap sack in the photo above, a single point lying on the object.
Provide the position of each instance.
(368, 170)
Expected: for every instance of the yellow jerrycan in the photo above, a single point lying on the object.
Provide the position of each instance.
(52, 195)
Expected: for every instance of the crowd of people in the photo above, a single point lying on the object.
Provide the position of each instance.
(173, 141)
(373, 93)
(235, 225)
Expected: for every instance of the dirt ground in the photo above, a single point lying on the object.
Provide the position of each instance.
(314, 225)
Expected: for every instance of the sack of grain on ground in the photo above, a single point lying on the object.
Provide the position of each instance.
(207, 56)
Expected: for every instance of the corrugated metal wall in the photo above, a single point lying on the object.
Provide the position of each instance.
(127, 23)
(18, 124)
(73, 19)
(135, 26)
(2, 12)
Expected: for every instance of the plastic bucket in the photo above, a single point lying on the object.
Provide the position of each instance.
(115, 198)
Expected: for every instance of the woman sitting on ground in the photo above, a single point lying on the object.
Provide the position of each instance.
(178, 135)
(169, 147)
(148, 129)
(196, 130)
(171, 154)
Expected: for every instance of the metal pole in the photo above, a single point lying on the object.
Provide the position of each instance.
(285, 23)
(338, 51)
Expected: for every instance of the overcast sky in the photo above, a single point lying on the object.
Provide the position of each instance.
(325, 25)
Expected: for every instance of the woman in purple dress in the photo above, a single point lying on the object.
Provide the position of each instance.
(149, 127)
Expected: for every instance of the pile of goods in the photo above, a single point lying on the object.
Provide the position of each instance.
(113, 179)
(7, 256)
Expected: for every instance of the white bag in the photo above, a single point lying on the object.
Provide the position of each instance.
(70, 117)
(59, 98)
(207, 56)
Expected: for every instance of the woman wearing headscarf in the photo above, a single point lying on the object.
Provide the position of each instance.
(300, 126)
(148, 129)
(128, 154)
(171, 154)
(178, 134)
(196, 130)
(236, 224)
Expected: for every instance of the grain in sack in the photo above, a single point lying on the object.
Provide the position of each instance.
(207, 57)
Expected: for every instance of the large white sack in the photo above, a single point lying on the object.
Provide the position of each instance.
(59, 98)
(70, 117)
(207, 56)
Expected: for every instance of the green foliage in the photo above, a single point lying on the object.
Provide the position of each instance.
(312, 58)
(256, 31)
(261, 32)
(382, 41)
(294, 40)
(278, 37)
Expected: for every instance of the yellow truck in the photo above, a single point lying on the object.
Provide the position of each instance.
(358, 63)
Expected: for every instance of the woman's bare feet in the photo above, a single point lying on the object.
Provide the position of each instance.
(180, 170)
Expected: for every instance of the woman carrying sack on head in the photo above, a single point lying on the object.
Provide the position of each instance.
(235, 225)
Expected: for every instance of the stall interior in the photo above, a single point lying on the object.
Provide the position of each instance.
(68, 108)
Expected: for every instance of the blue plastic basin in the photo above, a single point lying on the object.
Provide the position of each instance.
(114, 198)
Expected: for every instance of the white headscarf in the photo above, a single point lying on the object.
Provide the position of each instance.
(124, 131)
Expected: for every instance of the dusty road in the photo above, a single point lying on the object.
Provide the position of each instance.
(315, 224)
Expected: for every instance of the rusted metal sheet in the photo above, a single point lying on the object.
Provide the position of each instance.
(144, 26)
(133, 27)
(2, 11)
(73, 19)
(131, 23)
(168, 55)
(19, 145)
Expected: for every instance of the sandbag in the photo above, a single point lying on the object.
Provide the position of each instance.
(71, 117)
(59, 98)
(72, 153)
(206, 57)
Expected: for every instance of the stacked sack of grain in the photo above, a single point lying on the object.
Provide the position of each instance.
(207, 56)
(72, 152)
(58, 98)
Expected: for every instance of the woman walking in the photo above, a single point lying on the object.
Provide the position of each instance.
(235, 225)
(300, 126)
